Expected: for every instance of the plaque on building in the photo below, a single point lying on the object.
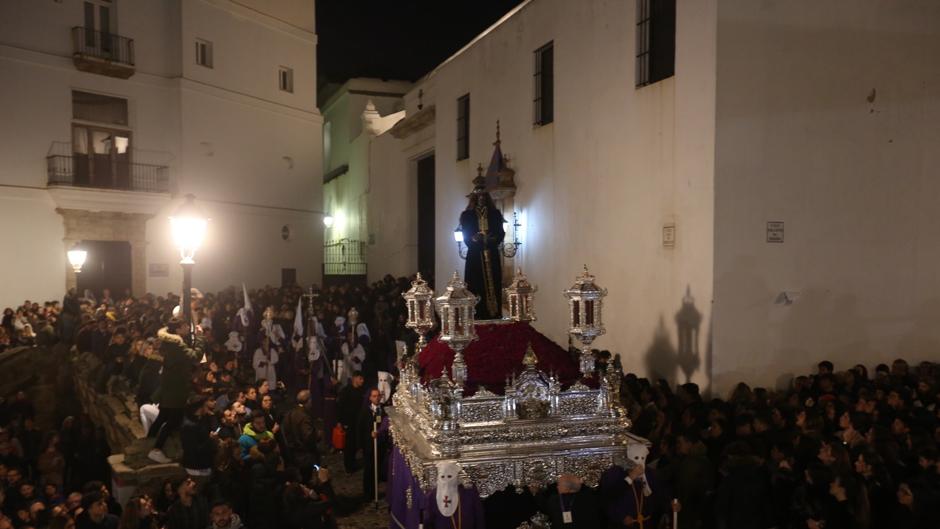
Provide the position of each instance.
(159, 270)
(669, 236)
(774, 231)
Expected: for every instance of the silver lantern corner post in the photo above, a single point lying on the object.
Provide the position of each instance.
(188, 226)
(419, 301)
(585, 322)
(519, 297)
(455, 308)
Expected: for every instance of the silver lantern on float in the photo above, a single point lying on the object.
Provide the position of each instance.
(519, 298)
(419, 300)
(456, 309)
(585, 311)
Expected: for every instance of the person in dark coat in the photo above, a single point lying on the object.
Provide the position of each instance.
(691, 478)
(348, 407)
(175, 385)
(741, 500)
(198, 440)
(190, 510)
(372, 429)
(300, 436)
(265, 485)
(570, 505)
(95, 513)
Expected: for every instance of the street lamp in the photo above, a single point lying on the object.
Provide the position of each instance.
(328, 221)
(77, 258)
(188, 225)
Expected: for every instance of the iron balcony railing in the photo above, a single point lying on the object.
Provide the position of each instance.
(344, 257)
(102, 45)
(82, 171)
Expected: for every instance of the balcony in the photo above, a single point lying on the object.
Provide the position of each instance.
(104, 172)
(102, 53)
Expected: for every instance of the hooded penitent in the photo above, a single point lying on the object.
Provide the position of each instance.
(234, 343)
(636, 454)
(385, 385)
(448, 497)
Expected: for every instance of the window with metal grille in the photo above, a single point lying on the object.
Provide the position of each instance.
(285, 79)
(463, 127)
(655, 40)
(544, 101)
(204, 53)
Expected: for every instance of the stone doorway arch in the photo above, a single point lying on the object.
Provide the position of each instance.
(109, 226)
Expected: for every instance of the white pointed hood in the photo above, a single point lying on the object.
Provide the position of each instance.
(447, 495)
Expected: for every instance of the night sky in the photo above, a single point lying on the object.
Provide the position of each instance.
(396, 39)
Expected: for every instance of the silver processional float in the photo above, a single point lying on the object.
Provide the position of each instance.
(536, 429)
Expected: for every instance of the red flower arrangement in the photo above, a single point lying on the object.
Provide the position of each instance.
(497, 353)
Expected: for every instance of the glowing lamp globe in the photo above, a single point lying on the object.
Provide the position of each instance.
(188, 226)
(77, 259)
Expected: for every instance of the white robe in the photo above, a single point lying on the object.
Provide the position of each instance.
(265, 372)
(352, 360)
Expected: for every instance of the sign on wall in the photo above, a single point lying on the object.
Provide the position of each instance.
(669, 236)
(158, 270)
(775, 231)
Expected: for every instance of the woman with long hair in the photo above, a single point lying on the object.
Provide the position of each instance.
(138, 514)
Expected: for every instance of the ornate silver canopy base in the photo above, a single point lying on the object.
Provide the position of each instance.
(529, 436)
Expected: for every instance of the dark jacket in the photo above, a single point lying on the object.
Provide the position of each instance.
(300, 435)
(196, 516)
(691, 479)
(198, 446)
(584, 506)
(350, 402)
(741, 501)
(178, 361)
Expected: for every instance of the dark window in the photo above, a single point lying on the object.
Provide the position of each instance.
(285, 79)
(545, 84)
(204, 53)
(655, 40)
(463, 127)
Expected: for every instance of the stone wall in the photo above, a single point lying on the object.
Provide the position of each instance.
(115, 410)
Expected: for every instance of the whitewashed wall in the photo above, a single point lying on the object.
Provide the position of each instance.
(346, 197)
(827, 120)
(597, 185)
(250, 153)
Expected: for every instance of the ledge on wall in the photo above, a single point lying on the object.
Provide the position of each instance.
(88, 199)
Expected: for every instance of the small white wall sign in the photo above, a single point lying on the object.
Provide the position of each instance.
(775, 231)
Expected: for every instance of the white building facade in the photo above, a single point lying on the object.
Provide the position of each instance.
(114, 110)
(762, 203)
(353, 115)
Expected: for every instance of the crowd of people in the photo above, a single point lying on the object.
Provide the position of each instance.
(257, 395)
(837, 449)
(253, 401)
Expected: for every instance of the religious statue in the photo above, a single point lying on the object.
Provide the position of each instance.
(482, 227)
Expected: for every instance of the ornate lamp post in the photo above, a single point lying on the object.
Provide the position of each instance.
(188, 225)
(519, 296)
(77, 258)
(585, 303)
(509, 249)
(455, 309)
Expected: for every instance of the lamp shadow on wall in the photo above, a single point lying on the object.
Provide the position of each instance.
(666, 361)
